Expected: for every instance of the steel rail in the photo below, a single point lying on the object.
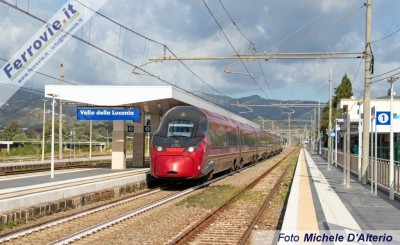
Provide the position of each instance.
(113, 221)
(75, 216)
(185, 236)
(249, 230)
(106, 224)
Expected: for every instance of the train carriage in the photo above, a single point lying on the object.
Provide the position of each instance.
(192, 143)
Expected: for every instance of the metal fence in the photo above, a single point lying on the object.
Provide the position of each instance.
(382, 166)
(384, 151)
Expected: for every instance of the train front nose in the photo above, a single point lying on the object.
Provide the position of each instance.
(174, 167)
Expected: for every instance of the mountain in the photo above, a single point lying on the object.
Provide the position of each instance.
(254, 106)
(27, 107)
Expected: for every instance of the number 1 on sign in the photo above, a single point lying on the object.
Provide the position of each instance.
(383, 118)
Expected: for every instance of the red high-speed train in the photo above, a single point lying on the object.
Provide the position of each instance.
(193, 143)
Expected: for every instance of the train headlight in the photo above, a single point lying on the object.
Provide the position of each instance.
(191, 149)
(159, 148)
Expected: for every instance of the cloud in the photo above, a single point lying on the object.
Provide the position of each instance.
(330, 6)
(189, 30)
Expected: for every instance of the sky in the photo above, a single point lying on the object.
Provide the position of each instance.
(129, 33)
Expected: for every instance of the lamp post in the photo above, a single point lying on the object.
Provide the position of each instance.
(73, 137)
(44, 127)
(330, 122)
(391, 164)
(336, 136)
(359, 140)
(90, 144)
(53, 104)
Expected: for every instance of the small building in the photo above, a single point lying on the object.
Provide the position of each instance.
(380, 122)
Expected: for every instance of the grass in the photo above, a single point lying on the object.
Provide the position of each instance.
(26, 150)
(12, 224)
(211, 197)
(252, 197)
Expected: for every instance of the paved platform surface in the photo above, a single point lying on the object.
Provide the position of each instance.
(27, 190)
(29, 180)
(56, 161)
(369, 211)
(335, 213)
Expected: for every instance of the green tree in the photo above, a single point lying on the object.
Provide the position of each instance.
(12, 129)
(20, 137)
(343, 91)
(32, 134)
(47, 130)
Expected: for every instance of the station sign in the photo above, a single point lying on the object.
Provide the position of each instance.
(86, 113)
(383, 118)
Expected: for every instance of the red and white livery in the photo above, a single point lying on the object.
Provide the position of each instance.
(193, 143)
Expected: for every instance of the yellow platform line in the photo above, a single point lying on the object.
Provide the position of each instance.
(307, 218)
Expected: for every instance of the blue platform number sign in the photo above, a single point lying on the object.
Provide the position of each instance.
(383, 118)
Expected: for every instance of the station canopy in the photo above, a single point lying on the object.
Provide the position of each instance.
(153, 99)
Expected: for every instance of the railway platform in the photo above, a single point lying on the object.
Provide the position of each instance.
(32, 165)
(321, 210)
(22, 196)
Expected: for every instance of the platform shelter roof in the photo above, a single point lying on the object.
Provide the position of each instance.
(153, 99)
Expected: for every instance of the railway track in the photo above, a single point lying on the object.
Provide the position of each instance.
(75, 227)
(234, 220)
(50, 233)
(94, 225)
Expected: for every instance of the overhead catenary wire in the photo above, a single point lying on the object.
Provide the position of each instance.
(270, 18)
(252, 45)
(37, 91)
(385, 78)
(385, 73)
(275, 55)
(101, 49)
(235, 24)
(385, 37)
(354, 79)
(290, 12)
(209, 10)
(359, 97)
(323, 28)
(119, 58)
(46, 75)
(297, 30)
(293, 43)
(154, 41)
(265, 79)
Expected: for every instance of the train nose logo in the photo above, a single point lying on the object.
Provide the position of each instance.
(175, 145)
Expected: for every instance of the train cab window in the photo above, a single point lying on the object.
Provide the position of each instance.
(182, 128)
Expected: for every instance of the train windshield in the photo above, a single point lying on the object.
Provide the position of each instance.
(182, 128)
(183, 121)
